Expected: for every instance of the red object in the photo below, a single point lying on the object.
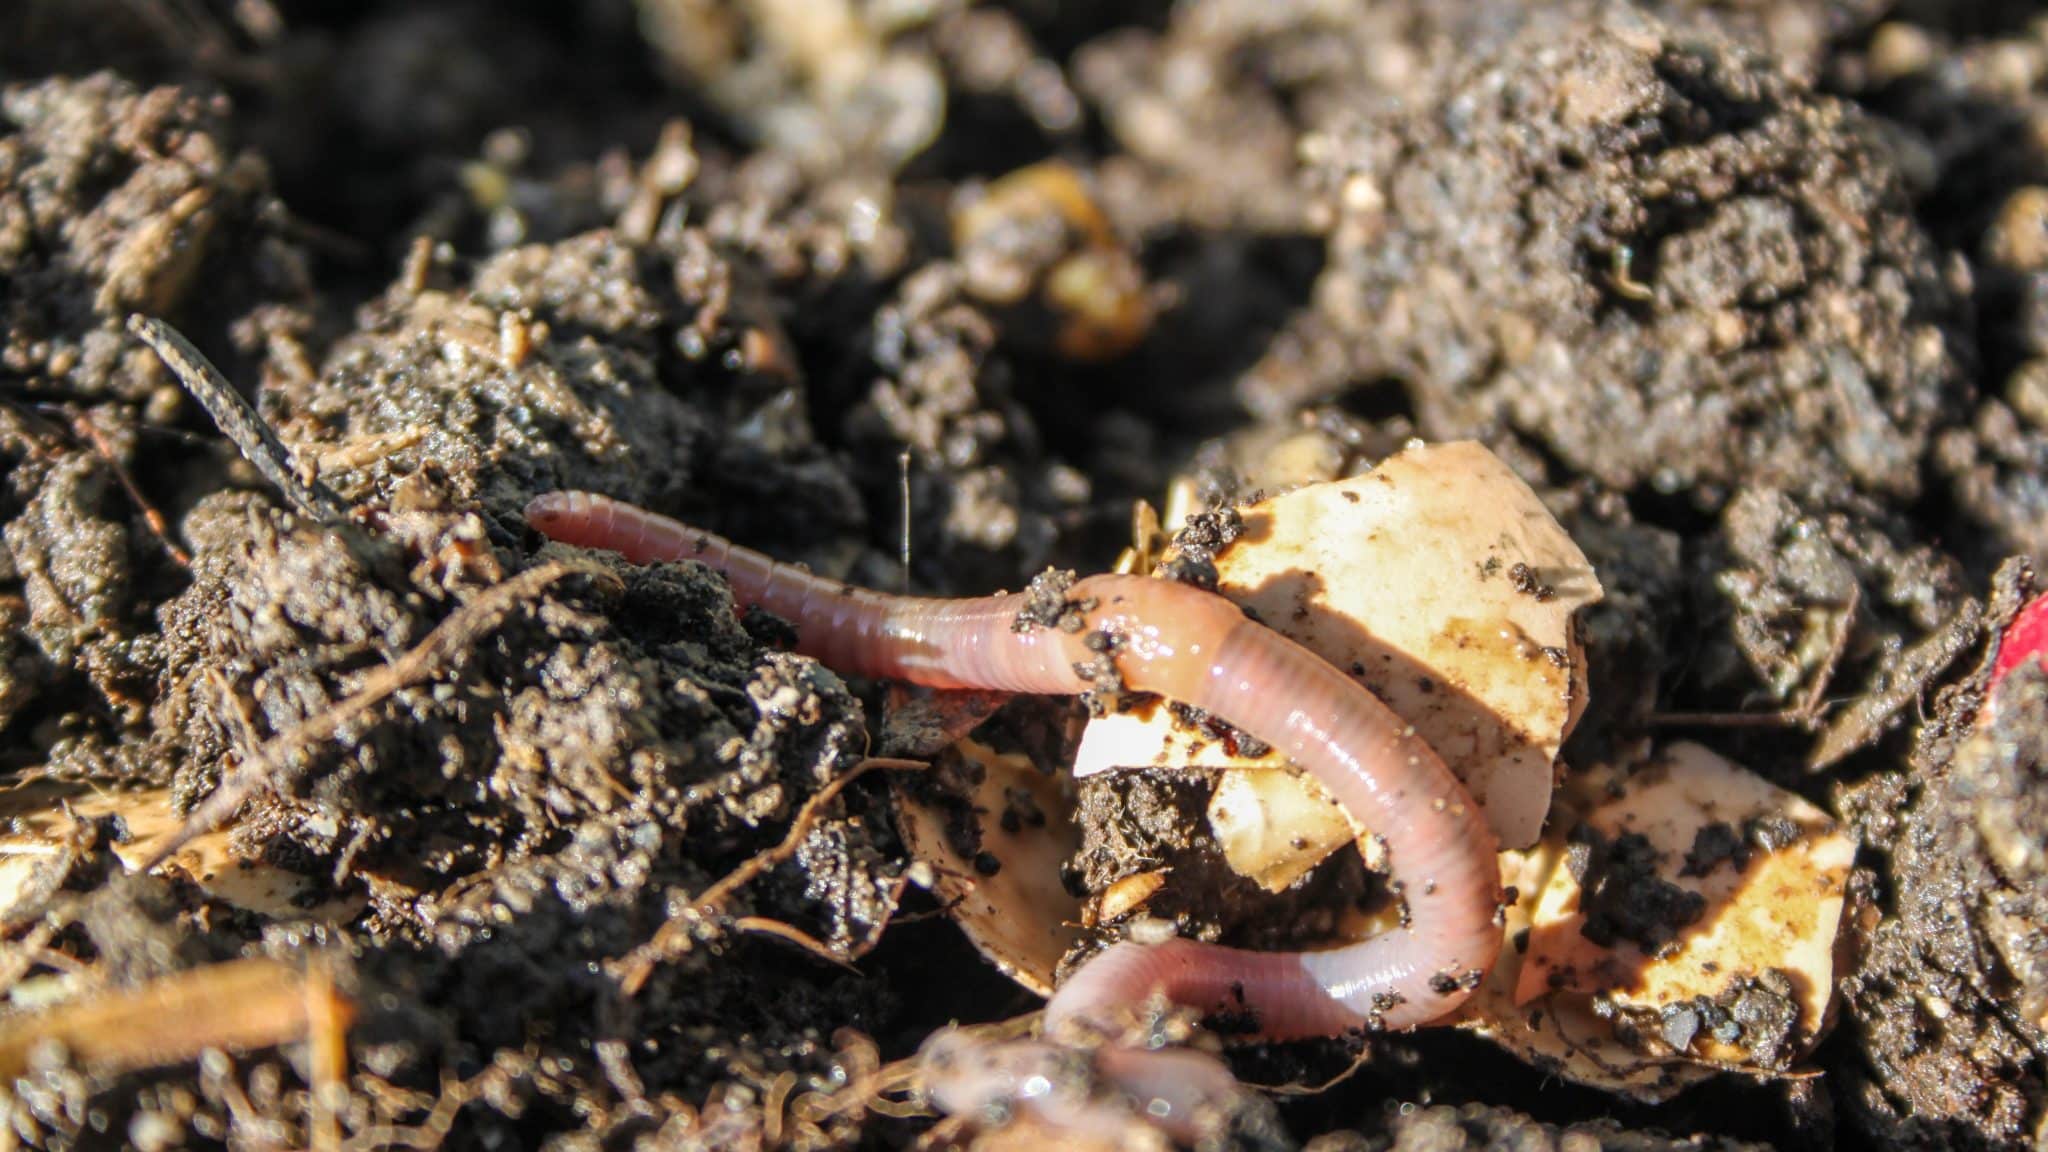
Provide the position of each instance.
(2026, 639)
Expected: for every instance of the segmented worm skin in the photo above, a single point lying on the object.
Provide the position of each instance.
(1179, 1091)
(1196, 647)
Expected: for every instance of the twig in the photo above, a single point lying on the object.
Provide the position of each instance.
(1905, 680)
(431, 1132)
(903, 545)
(772, 1108)
(1812, 705)
(461, 631)
(252, 1003)
(16, 959)
(640, 965)
(83, 425)
(714, 897)
(1799, 717)
(251, 434)
(764, 926)
(328, 1016)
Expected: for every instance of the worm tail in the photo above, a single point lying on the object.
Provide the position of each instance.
(941, 643)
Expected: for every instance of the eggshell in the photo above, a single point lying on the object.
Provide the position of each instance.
(1441, 582)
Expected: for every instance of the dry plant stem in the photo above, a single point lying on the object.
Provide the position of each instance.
(1140, 634)
(765, 926)
(328, 1016)
(239, 1004)
(83, 425)
(17, 958)
(1812, 706)
(241, 423)
(268, 766)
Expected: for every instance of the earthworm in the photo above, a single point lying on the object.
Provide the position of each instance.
(1139, 634)
(1179, 1091)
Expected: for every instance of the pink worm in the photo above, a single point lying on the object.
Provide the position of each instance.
(1196, 647)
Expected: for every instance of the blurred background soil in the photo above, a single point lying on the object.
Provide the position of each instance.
(1755, 294)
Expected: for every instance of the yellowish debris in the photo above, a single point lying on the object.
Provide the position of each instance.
(37, 816)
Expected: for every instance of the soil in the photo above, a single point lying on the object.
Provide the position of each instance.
(1755, 295)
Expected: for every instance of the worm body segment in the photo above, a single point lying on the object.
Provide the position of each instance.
(1178, 641)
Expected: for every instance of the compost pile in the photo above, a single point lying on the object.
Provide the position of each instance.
(927, 293)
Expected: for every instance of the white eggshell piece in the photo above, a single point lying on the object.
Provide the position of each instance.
(1275, 827)
(1783, 910)
(1441, 582)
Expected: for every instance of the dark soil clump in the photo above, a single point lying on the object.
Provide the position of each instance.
(1675, 194)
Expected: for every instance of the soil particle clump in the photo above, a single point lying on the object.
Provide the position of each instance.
(112, 199)
(1654, 254)
(557, 367)
(1145, 819)
(531, 815)
(1946, 1053)
(1624, 896)
(1960, 91)
(116, 200)
(1484, 1128)
(983, 496)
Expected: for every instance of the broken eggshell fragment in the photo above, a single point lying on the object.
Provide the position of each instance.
(1442, 583)
(1688, 922)
(997, 832)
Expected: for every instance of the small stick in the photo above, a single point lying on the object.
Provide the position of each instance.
(239, 1004)
(1807, 714)
(83, 425)
(328, 1016)
(266, 767)
(764, 926)
(241, 423)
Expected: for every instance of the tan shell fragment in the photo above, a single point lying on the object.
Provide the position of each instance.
(1021, 918)
(1782, 911)
(1275, 827)
(1561, 1033)
(1441, 581)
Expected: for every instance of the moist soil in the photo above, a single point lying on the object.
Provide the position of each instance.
(1755, 295)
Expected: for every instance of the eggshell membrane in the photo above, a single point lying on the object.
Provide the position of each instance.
(1406, 577)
